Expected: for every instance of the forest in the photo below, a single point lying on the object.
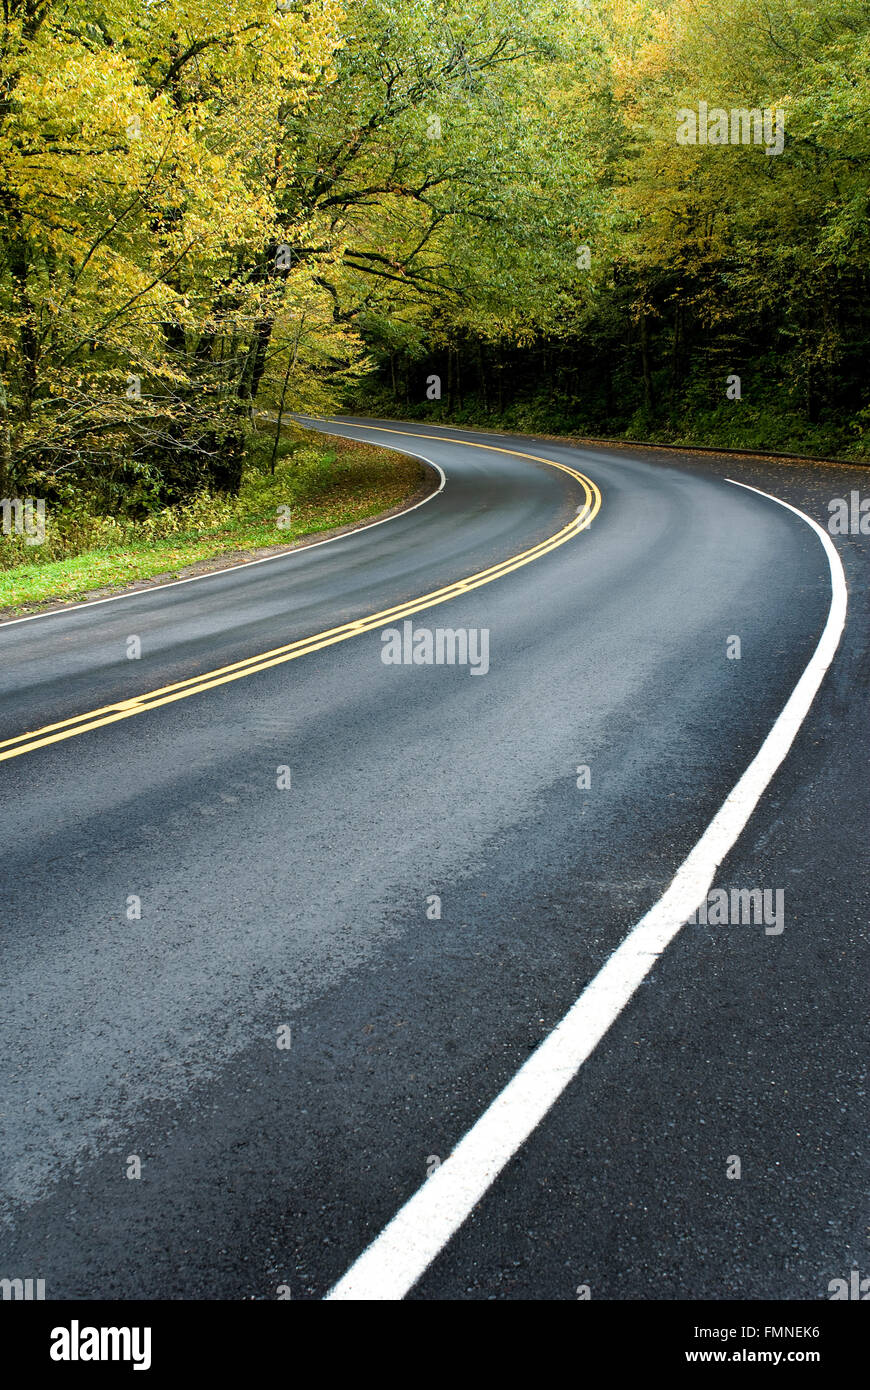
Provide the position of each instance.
(546, 215)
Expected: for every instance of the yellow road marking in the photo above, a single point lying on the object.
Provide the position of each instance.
(180, 690)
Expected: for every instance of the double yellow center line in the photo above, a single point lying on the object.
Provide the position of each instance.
(195, 685)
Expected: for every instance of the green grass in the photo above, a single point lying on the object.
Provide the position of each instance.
(324, 486)
(761, 422)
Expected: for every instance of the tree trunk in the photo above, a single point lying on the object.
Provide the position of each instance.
(5, 443)
(645, 358)
(291, 363)
(481, 367)
(676, 355)
(18, 270)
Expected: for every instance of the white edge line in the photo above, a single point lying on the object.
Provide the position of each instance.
(246, 564)
(400, 1255)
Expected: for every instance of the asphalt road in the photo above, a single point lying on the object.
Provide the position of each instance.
(156, 1036)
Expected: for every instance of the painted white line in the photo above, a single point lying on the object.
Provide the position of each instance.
(403, 1251)
(247, 564)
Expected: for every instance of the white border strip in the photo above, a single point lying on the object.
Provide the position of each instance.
(246, 564)
(403, 1251)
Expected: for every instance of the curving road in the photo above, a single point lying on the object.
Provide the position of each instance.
(313, 905)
